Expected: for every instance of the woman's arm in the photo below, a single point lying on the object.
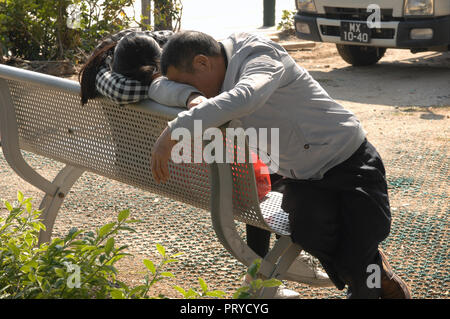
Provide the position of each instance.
(119, 88)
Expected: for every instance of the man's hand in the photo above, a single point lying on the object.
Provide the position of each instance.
(194, 100)
(160, 156)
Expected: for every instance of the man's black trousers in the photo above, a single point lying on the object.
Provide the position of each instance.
(340, 219)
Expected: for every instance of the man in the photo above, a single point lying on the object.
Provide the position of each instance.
(124, 90)
(335, 186)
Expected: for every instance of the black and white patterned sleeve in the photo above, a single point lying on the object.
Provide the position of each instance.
(119, 88)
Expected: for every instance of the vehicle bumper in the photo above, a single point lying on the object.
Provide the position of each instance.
(440, 27)
(392, 34)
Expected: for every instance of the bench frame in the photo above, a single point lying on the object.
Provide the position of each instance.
(280, 262)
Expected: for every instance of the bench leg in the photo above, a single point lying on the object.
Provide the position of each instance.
(289, 252)
(51, 204)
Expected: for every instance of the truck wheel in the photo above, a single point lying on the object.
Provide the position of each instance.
(360, 55)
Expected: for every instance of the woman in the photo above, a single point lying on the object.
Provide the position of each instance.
(123, 66)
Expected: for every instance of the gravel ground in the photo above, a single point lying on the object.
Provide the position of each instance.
(403, 104)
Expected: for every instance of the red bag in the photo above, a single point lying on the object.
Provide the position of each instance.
(262, 176)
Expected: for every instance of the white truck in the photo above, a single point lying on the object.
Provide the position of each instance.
(364, 29)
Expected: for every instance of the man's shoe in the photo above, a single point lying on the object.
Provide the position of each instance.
(306, 269)
(392, 286)
(282, 291)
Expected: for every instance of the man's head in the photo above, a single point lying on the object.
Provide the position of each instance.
(194, 58)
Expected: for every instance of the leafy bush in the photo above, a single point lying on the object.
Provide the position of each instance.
(29, 270)
(81, 265)
(37, 29)
(70, 29)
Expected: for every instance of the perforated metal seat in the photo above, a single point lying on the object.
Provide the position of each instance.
(274, 215)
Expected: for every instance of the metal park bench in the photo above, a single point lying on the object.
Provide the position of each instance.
(42, 114)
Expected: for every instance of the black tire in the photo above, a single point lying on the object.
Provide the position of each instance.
(360, 55)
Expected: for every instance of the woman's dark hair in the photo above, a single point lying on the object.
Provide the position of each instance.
(134, 56)
(137, 57)
(89, 71)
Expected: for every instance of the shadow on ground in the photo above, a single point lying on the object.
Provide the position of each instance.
(422, 81)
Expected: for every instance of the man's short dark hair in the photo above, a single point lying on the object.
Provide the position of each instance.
(183, 46)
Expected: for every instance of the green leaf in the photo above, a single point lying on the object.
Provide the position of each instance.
(254, 267)
(31, 277)
(180, 290)
(127, 228)
(73, 232)
(106, 229)
(117, 294)
(161, 250)
(256, 284)
(191, 294)
(19, 196)
(27, 267)
(123, 215)
(150, 266)
(167, 274)
(29, 239)
(203, 284)
(216, 293)
(60, 272)
(14, 249)
(109, 245)
(137, 290)
(242, 293)
(8, 206)
(271, 283)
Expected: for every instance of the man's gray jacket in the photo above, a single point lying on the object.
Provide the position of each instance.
(265, 88)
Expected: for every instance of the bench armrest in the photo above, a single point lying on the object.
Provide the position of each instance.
(10, 143)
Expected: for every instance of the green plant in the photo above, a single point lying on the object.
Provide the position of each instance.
(287, 21)
(252, 289)
(82, 264)
(30, 270)
(39, 29)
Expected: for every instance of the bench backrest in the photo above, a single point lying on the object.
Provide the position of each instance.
(112, 141)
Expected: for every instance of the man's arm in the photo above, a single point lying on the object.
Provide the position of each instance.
(171, 93)
(260, 78)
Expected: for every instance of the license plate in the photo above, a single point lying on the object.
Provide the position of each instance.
(355, 32)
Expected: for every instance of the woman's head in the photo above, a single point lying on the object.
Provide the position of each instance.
(134, 56)
(137, 57)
